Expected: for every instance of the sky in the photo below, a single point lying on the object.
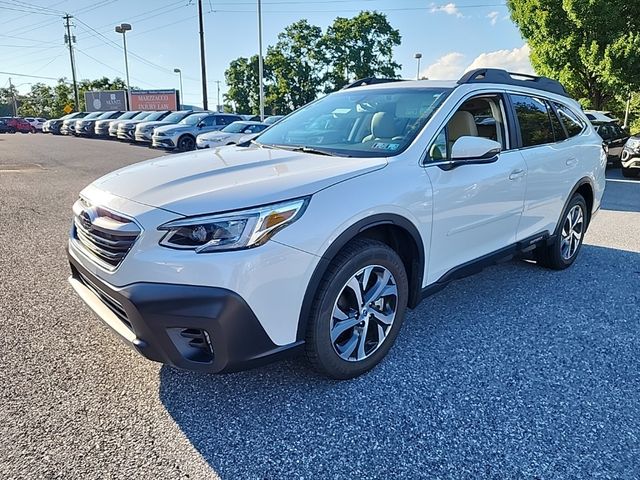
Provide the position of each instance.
(451, 36)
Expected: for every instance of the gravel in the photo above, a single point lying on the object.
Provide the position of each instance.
(517, 372)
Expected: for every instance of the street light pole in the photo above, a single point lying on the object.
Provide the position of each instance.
(203, 66)
(123, 29)
(418, 56)
(218, 106)
(179, 72)
(260, 63)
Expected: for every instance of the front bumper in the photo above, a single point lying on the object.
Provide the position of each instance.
(208, 329)
(630, 159)
(143, 137)
(126, 134)
(162, 142)
(86, 130)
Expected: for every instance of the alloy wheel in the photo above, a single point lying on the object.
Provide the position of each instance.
(572, 232)
(363, 313)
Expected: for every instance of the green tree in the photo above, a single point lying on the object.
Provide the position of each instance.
(591, 46)
(359, 47)
(297, 65)
(38, 102)
(243, 92)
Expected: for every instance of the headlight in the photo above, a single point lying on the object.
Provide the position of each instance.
(233, 230)
(633, 143)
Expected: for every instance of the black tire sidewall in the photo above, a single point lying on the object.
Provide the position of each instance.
(319, 340)
(181, 143)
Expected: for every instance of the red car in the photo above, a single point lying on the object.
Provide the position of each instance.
(17, 124)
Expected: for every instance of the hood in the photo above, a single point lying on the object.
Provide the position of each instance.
(153, 123)
(129, 123)
(216, 134)
(230, 178)
(104, 121)
(174, 127)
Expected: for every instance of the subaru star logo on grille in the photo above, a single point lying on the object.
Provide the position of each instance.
(88, 216)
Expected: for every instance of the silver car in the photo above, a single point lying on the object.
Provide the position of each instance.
(127, 130)
(113, 126)
(182, 136)
(144, 129)
(237, 132)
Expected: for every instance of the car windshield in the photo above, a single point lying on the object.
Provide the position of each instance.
(235, 127)
(127, 115)
(175, 117)
(141, 116)
(154, 116)
(105, 115)
(93, 115)
(193, 119)
(378, 122)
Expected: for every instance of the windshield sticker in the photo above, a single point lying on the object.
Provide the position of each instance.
(386, 146)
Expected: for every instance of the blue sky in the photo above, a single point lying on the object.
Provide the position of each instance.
(451, 36)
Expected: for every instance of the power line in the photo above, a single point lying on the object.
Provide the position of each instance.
(13, 74)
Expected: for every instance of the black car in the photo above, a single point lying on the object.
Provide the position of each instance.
(614, 137)
(4, 128)
(631, 157)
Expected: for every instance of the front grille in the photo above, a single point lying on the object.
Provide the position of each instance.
(104, 235)
(111, 303)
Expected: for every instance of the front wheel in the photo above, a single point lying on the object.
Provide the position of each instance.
(186, 143)
(568, 239)
(358, 310)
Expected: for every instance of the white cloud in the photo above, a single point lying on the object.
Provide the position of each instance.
(452, 65)
(449, 9)
(516, 60)
(493, 17)
(447, 67)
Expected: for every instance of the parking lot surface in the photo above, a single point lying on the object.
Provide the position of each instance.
(517, 372)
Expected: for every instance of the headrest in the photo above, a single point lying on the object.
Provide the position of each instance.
(462, 124)
(383, 125)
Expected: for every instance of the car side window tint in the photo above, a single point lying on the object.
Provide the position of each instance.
(570, 120)
(534, 119)
(558, 131)
(209, 121)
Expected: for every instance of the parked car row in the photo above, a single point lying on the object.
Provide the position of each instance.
(181, 130)
(20, 125)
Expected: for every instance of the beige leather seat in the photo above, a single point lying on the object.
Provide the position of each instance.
(383, 128)
(462, 124)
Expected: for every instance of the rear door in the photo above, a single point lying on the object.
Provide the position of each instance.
(552, 163)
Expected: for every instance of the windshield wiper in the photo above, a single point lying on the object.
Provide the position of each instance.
(306, 149)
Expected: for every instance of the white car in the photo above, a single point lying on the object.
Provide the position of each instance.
(320, 235)
(36, 122)
(237, 132)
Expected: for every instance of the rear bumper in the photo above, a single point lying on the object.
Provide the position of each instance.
(207, 329)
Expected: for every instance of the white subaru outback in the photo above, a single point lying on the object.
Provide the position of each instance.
(320, 234)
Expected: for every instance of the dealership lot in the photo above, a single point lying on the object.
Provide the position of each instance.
(517, 372)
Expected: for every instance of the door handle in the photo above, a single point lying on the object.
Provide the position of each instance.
(572, 161)
(516, 174)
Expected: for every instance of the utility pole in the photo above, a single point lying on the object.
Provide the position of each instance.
(70, 40)
(260, 63)
(13, 96)
(203, 66)
(123, 28)
(218, 106)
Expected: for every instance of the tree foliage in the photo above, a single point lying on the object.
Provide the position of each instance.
(305, 62)
(591, 46)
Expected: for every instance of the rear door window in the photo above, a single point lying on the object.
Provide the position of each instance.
(534, 119)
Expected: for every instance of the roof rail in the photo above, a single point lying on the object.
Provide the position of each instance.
(495, 75)
(370, 81)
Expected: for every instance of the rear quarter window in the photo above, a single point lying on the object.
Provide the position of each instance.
(570, 120)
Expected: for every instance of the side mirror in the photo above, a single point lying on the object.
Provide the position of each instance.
(475, 150)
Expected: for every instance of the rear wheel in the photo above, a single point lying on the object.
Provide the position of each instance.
(358, 310)
(568, 239)
(186, 143)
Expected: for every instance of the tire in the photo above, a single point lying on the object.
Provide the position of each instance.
(336, 310)
(186, 143)
(629, 172)
(572, 228)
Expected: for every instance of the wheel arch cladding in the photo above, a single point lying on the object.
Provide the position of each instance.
(585, 188)
(393, 230)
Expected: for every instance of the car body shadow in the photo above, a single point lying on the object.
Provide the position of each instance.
(517, 372)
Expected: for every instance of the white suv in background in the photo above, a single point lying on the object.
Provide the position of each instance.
(321, 234)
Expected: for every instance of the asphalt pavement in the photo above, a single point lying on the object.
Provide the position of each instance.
(517, 372)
